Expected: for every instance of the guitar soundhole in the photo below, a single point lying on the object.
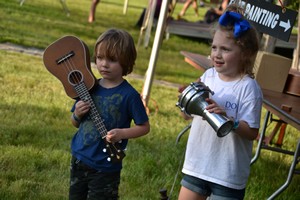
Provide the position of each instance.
(75, 77)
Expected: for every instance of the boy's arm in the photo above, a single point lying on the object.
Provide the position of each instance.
(117, 134)
(75, 120)
(81, 109)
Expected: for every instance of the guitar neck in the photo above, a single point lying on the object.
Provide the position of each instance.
(85, 96)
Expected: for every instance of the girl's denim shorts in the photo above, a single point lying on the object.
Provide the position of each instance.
(215, 191)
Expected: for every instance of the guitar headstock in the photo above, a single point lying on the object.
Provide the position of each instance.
(114, 151)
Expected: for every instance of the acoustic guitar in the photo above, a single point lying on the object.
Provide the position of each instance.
(68, 59)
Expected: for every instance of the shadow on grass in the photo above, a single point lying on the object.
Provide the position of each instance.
(35, 126)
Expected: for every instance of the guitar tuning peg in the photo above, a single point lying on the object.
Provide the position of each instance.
(104, 150)
(108, 159)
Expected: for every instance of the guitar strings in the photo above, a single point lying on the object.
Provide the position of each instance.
(70, 67)
(78, 77)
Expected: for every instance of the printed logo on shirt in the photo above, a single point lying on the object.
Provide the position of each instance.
(230, 106)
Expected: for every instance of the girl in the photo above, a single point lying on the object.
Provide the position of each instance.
(214, 166)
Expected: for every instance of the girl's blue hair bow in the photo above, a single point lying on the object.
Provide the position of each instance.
(240, 25)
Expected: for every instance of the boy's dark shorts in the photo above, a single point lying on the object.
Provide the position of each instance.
(88, 183)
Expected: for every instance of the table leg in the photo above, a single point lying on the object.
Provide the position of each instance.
(182, 132)
(261, 138)
(281, 135)
(268, 140)
(291, 172)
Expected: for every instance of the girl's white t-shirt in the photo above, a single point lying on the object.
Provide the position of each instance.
(224, 160)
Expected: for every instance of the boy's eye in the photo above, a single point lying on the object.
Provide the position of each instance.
(113, 59)
(110, 59)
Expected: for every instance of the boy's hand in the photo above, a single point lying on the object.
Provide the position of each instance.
(114, 135)
(81, 108)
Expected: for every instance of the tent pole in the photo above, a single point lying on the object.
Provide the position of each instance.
(154, 53)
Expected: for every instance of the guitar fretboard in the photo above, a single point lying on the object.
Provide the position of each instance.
(85, 96)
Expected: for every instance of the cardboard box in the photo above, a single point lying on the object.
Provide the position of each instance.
(271, 70)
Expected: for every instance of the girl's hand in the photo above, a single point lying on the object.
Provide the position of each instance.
(81, 108)
(214, 107)
(182, 87)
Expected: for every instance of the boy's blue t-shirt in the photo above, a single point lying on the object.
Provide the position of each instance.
(117, 106)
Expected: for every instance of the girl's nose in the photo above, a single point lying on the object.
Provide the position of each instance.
(217, 53)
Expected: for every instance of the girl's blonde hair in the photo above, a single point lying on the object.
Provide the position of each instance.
(248, 42)
(117, 45)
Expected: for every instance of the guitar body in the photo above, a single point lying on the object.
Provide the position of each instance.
(68, 59)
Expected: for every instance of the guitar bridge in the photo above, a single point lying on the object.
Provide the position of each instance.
(65, 57)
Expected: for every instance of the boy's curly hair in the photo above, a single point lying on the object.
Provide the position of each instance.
(117, 45)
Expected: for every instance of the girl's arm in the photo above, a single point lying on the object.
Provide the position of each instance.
(242, 129)
(245, 131)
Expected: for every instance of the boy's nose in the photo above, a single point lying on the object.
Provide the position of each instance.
(104, 63)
